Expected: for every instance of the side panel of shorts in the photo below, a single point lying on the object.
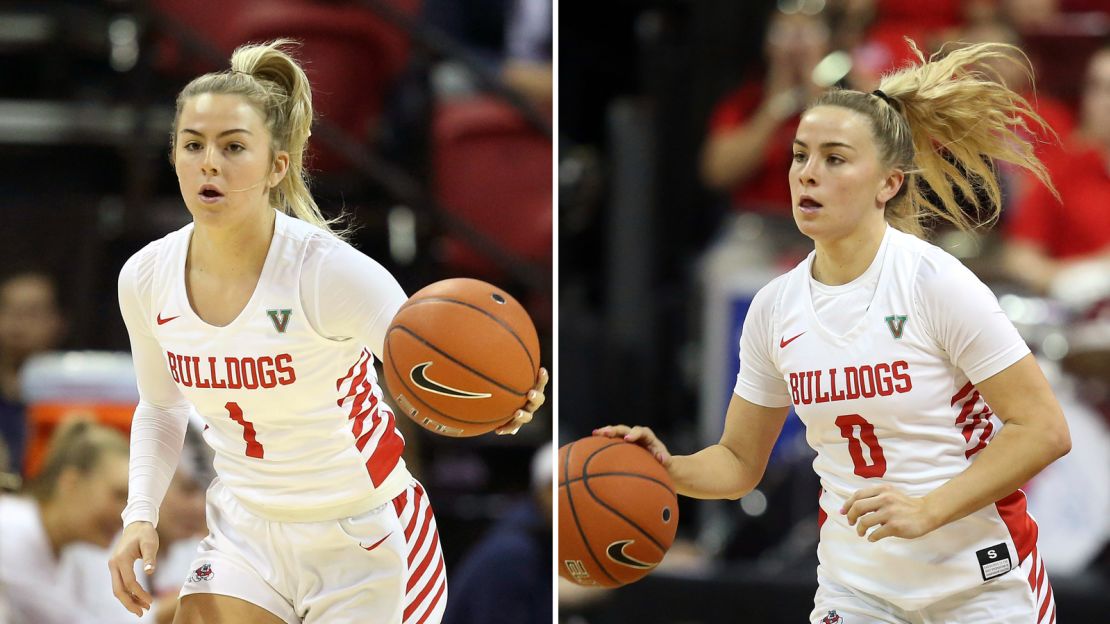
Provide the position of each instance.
(426, 574)
(1021, 596)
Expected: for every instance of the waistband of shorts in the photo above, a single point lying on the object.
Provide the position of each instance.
(397, 481)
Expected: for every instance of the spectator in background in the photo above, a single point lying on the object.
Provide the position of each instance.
(180, 529)
(517, 552)
(30, 323)
(527, 68)
(750, 132)
(1044, 240)
(77, 497)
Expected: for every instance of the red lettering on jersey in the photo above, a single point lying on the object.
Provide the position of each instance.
(250, 373)
(173, 366)
(234, 373)
(284, 367)
(902, 377)
(867, 381)
(820, 397)
(186, 373)
(807, 387)
(851, 379)
(266, 375)
(216, 381)
(836, 396)
(201, 381)
(882, 379)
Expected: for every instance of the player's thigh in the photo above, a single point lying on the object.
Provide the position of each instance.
(836, 604)
(219, 609)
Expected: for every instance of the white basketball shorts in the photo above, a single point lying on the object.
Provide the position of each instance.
(1021, 596)
(383, 566)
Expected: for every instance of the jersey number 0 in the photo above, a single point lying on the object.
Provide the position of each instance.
(848, 424)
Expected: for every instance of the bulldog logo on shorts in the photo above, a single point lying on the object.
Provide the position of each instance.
(203, 573)
(832, 618)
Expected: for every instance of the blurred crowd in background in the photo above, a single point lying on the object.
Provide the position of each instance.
(676, 122)
(433, 137)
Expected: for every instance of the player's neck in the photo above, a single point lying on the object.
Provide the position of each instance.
(842, 260)
(231, 251)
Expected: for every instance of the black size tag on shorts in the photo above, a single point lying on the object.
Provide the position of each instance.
(994, 561)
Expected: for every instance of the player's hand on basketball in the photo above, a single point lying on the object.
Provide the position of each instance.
(895, 513)
(139, 541)
(643, 436)
(523, 416)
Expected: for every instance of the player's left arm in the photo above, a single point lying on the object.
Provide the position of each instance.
(351, 296)
(1035, 434)
(962, 315)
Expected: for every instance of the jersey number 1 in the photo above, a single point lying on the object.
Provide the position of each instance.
(254, 447)
(848, 424)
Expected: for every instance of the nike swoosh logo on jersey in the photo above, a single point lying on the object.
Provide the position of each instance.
(163, 321)
(377, 543)
(420, 378)
(783, 342)
(616, 553)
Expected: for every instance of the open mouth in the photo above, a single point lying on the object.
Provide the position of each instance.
(809, 204)
(210, 193)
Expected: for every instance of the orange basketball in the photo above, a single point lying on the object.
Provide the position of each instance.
(460, 357)
(617, 512)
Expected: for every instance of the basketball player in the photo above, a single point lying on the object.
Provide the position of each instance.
(926, 409)
(269, 326)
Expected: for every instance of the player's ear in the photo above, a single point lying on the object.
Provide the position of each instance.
(279, 168)
(890, 185)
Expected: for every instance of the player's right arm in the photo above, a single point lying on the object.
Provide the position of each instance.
(729, 469)
(756, 413)
(157, 435)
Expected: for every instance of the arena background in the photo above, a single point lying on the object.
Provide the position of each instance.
(433, 135)
(657, 270)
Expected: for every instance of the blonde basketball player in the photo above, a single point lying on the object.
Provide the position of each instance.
(269, 326)
(926, 409)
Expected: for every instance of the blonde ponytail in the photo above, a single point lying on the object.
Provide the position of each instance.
(945, 122)
(270, 78)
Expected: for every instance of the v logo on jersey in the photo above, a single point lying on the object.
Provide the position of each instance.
(616, 553)
(280, 325)
(420, 378)
(896, 324)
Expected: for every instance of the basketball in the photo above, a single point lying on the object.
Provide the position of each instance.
(617, 512)
(460, 357)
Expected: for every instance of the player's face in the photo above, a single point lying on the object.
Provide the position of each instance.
(223, 156)
(837, 182)
(96, 500)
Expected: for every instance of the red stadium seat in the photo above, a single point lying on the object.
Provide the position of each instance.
(350, 54)
(493, 170)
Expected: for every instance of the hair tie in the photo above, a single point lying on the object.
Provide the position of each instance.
(886, 98)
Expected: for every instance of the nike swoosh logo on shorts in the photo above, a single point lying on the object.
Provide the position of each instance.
(163, 321)
(783, 341)
(377, 543)
(420, 378)
(616, 553)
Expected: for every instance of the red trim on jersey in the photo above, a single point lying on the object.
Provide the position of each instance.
(962, 393)
(386, 454)
(1023, 530)
(821, 515)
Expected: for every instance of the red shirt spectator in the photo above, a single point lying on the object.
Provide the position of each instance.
(766, 190)
(1081, 227)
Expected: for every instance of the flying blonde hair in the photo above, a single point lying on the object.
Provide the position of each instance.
(268, 77)
(945, 122)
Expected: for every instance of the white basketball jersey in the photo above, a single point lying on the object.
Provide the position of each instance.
(296, 420)
(890, 401)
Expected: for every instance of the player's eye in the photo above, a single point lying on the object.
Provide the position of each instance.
(192, 146)
(799, 157)
(236, 147)
(834, 160)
